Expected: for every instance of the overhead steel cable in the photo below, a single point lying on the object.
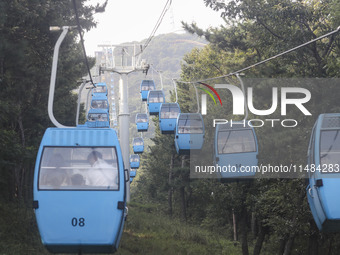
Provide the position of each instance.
(82, 41)
(263, 61)
(159, 21)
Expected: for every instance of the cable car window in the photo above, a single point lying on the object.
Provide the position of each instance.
(99, 89)
(79, 168)
(142, 118)
(330, 147)
(190, 126)
(148, 85)
(169, 112)
(97, 116)
(236, 141)
(134, 158)
(165, 112)
(99, 104)
(156, 97)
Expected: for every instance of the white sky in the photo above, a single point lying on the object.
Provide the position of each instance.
(133, 20)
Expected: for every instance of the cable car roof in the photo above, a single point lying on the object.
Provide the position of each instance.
(170, 105)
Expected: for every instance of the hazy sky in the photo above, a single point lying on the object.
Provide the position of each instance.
(134, 20)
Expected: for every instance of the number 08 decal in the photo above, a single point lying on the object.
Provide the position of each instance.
(78, 222)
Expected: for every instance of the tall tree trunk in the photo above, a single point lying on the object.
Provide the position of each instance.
(170, 185)
(282, 245)
(17, 177)
(253, 224)
(313, 244)
(293, 233)
(12, 185)
(184, 211)
(234, 226)
(19, 168)
(244, 232)
(182, 194)
(259, 240)
(289, 244)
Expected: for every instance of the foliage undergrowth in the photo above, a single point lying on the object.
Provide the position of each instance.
(148, 231)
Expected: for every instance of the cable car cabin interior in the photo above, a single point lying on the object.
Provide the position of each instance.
(145, 87)
(168, 114)
(138, 145)
(98, 118)
(100, 90)
(79, 190)
(142, 122)
(189, 132)
(134, 161)
(324, 172)
(235, 146)
(100, 103)
(155, 99)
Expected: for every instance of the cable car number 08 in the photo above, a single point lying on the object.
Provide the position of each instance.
(78, 222)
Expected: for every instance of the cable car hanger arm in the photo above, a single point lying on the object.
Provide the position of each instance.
(54, 74)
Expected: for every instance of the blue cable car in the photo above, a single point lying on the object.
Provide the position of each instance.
(235, 146)
(155, 99)
(79, 190)
(168, 114)
(138, 145)
(134, 161)
(145, 87)
(100, 90)
(142, 122)
(97, 118)
(133, 174)
(100, 102)
(189, 132)
(324, 172)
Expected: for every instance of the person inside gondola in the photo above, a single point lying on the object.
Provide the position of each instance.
(77, 180)
(56, 176)
(173, 114)
(101, 173)
(94, 104)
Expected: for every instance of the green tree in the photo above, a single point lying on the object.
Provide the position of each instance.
(26, 49)
(254, 31)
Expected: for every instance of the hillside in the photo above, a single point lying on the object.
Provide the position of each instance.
(164, 53)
